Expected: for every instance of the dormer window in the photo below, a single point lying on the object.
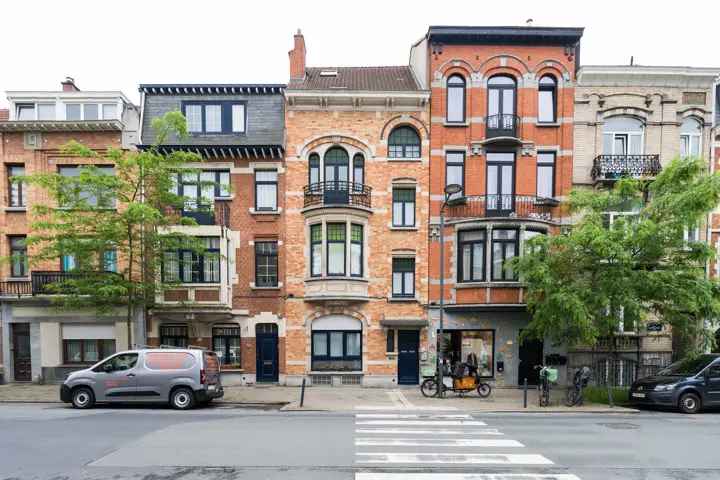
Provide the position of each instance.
(90, 111)
(219, 117)
(32, 111)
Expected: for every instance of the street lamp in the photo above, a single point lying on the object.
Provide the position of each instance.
(450, 190)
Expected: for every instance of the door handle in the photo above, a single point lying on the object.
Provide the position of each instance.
(130, 374)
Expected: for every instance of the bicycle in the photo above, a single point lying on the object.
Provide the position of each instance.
(547, 376)
(580, 381)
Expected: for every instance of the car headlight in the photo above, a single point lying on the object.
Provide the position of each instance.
(665, 388)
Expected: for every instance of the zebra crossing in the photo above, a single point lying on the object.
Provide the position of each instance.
(420, 439)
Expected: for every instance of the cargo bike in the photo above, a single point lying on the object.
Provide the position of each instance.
(462, 379)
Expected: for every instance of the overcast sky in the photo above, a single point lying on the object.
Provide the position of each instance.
(115, 45)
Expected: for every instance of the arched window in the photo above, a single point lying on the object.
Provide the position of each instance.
(314, 169)
(336, 165)
(501, 106)
(336, 344)
(690, 138)
(358, 170)
(623, 136)
(547, 99)
(456, 99)
(404, 142)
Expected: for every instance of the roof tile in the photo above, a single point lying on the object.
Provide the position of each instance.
(381, 79)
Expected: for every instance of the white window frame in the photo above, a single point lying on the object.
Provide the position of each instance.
(243, 117)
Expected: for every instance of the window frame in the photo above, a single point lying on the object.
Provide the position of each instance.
(328, 357)
(226, 116)
(22, 255)
(687, 139)
(164, 336)
(266, 182)
(545, 164)
(503, 242)
(226, 344)
(456, 164)
(362, 249)
(404, 147)
(342, 242)
(102, 354)
(460, 86)
(89, 196)
(196, 258)
(553, 93)
(178, 187)
(358, 165)
(272, 255)
(461, 244)
(627, 136)
(18, 185)
(313, 243)
(314, 164)
(403, 286)
(24, 105)
(403, 220)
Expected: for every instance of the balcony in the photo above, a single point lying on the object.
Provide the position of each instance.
(20, 288)
(337, 194)
(608, 168)
(45, 283)
(217, 214)
(497, 126)
(506, 206)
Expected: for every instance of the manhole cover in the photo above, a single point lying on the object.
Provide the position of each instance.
(620, 426)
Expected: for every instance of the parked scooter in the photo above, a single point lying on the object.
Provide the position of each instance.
(580, 381)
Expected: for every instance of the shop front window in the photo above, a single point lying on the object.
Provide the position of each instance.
(474, 347)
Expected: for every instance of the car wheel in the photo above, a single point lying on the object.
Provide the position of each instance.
(83, 398)
(689, 403)
(182, 399)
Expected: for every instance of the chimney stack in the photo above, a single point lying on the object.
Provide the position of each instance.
(297, 57)
(68, 85)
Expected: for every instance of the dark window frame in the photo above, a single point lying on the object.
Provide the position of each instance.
(362, 248)
(390, 341)
(403, 221)
(275, 183)
(552, 165)
(501, 88)
(493, 241)
(271, 255)
(196, 258)
(455, 164)
(404, 147)
(345, 357)
(179, 186)
(22, 253)
(19, 185)
(102, 354)
(313, 164)
(358, 165)
(313, 243)
(461, 86)
(226, 126)
(224, 336)
(461, 244)
(164, 336)
(403, 287)
(553, 92)
(327, 249)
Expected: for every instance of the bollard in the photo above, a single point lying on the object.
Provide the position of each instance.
(302, 393)
(525, 393)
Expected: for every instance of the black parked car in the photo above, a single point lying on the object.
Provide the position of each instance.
(689, 384)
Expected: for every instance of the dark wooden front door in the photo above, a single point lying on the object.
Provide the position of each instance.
(21, 352)
(408, 359)
(266, 353)
(531, 354)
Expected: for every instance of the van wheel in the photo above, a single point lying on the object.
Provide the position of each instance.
(690, 403)
(182, 399)
(83, 398)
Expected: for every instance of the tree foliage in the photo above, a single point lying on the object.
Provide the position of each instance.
(602, 275)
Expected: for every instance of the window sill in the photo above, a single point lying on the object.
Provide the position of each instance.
(265, 212)
(170, 286)
(214, 134)
(548, 124)
(255, 287)
(16, 209)
(456, 124)
(335, 372)
(232, 370)
(462, 285)
(407, 229)
(225, 199)
(402, 299)
(339, 277)
(404, 159)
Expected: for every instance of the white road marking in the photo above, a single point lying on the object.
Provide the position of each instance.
(414, 431)
(400, 407)
(428, 423)
(453, 458)
(399, 415)
(433, 442)
(461, 476)
(395, 400)
(401, 396)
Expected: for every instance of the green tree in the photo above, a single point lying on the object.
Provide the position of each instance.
(599, 276)
(112, 229)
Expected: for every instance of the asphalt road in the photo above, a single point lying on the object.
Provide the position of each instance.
(57, 442)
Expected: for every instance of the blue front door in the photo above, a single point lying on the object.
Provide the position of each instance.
(267, 357)
(408, 359)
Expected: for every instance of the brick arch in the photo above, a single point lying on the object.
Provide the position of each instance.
(693, 112)
(399, 121)
(507, 70)
(325, 311)
(339, 139)
(483, 65)
(556, 67)
(455, 65)
(641, 114)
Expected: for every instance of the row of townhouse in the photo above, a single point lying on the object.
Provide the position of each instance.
(340, 247)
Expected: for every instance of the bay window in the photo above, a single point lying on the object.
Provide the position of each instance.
(471, 264)
(189, 266)
(336, 249)
(316, 237)
(356, 250)
(504, 248)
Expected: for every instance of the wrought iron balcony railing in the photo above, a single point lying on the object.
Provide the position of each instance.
(509, 206)
(338, 193)
(217, 214)
(59, 283)
(501, 126)
(613, 167)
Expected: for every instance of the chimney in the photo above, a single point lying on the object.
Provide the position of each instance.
(68, 85)
(297, 58)
(4, 114)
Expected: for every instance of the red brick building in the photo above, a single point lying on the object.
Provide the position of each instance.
(502, 128)
(356, 232)
(230, 300)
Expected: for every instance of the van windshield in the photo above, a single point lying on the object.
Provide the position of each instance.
(688, 366)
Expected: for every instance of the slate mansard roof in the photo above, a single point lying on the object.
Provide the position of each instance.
(366, 79)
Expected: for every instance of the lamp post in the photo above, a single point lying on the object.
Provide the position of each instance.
(450, 190)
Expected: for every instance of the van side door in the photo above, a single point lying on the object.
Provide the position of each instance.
(116, 378)
(712, 392)
(165, 369)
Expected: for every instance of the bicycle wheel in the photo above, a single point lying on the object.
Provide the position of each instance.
(429, 388)
(572, 398)
(484, 390)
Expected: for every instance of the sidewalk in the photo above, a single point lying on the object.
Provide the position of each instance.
(339, 399)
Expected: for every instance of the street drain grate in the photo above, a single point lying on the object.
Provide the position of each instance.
(620, 426)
